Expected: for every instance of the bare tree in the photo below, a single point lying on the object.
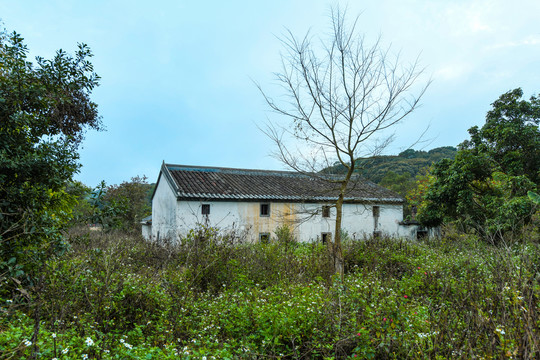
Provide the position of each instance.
(340, 95)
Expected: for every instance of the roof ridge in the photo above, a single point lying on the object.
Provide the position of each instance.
(226, 170)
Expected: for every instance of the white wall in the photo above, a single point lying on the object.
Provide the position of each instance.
(164, 211)
(146, 231)
(306, 220)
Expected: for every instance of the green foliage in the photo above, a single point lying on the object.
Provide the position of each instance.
(402, 173)
(485, 187)
(119, 297)
(391, 170)
(115, 207)
(285, 236)
(131, 198)
(82, 208)
(510, 136)
(44, 110)
(400, 184)
(107, 213)
(534, 197)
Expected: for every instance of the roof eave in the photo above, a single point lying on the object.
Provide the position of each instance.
(276, 198)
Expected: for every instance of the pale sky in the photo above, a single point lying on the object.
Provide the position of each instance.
(177, 76)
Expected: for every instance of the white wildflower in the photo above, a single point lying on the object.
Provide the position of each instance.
(53, 335)
(27, 342)
(89, 341)
(65, 351)
(84, 356)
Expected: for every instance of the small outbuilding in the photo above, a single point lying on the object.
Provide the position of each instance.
(256, 202)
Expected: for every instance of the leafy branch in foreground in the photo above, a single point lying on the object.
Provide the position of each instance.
(44, 111)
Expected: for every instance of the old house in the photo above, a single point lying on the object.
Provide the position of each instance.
(256, 202)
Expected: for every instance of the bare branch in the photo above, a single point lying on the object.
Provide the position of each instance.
(339, 95)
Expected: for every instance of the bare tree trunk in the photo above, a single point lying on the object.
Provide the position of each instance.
(340, 95)
(337, 251)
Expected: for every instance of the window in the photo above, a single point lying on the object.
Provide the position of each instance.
(376, 211)
(326, 211)
(205, 209)
(326, 237)
(264, 238)
(265, 209)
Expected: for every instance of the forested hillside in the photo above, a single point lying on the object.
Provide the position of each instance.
(398, 172)
(409, 162)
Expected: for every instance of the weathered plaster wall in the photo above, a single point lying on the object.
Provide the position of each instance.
(147, 231)
(164, 211)
(306, 220)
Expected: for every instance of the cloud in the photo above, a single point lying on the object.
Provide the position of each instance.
(528, 41)
(452, 71)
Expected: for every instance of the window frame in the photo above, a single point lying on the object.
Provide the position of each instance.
(326, 211)
(267, 214)
(263, 235)
(205, 207)
(325, 236)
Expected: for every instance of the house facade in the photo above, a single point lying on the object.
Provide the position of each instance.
(256, 202)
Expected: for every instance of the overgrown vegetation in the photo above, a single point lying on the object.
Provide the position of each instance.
(484, 189)
(113, 296)
(45, 109)
(113, 207)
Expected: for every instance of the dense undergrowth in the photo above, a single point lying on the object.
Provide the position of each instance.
(115, 296)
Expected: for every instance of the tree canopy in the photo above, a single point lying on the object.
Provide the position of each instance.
(45, 109)
(485, 187)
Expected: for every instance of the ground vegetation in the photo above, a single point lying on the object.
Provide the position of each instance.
(214, 296)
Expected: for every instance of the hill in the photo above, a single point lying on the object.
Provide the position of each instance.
(407, 164)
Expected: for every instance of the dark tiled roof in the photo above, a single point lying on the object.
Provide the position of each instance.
(195, 182)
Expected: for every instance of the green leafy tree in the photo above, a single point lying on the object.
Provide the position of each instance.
(485, 187)
(130, 199)
(44, 110)
(510, 136)
(82, 209)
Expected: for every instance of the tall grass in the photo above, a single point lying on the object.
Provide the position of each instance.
(114, 296)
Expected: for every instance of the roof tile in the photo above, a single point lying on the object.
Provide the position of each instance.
(226, 183)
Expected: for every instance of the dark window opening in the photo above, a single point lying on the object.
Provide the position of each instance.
(326, 237)
(205, 209)
(326, 211)
(376, 211)
(421, 234)
(265, 209)
(264, 238)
